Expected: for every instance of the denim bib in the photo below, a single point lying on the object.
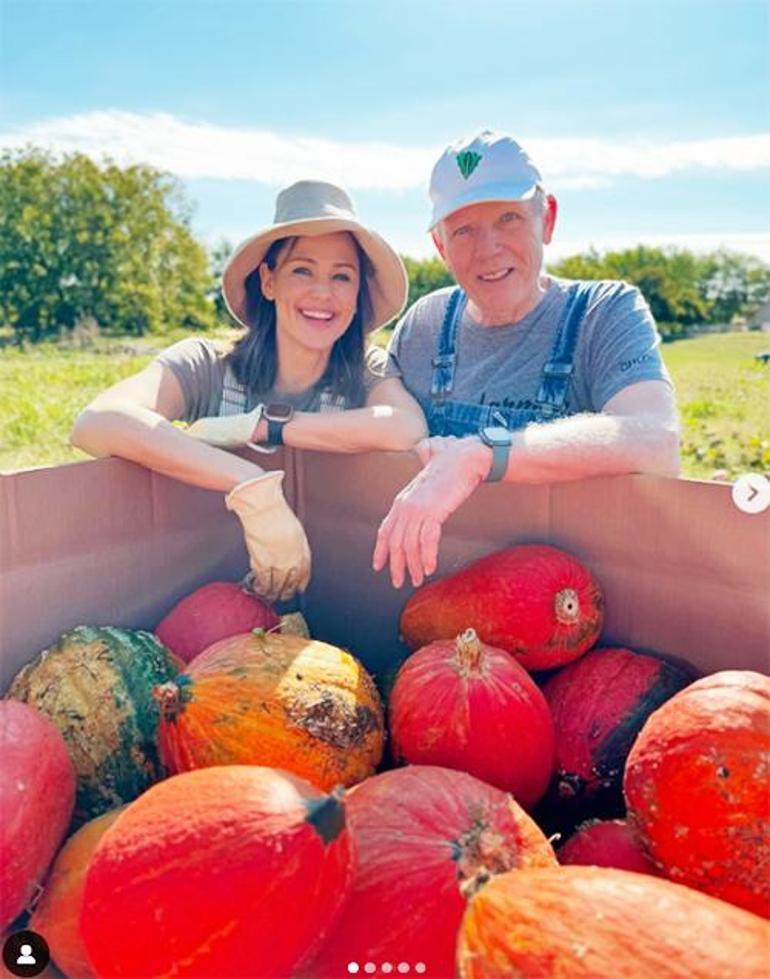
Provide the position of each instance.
(235, 397)
(447, 416)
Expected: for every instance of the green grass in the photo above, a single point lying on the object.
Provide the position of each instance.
(723, 395)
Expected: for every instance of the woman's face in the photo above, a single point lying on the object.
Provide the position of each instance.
(314, 286)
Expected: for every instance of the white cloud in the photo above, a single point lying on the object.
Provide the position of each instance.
(420, 246)
(200, 149)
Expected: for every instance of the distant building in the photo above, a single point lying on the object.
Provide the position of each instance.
(761, 319)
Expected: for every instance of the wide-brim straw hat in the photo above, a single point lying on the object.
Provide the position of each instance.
(312, 207)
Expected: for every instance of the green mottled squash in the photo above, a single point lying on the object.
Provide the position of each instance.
(96, 685)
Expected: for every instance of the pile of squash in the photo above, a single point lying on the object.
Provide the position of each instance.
(215, 798)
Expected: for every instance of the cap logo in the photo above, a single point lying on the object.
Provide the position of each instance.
(467, 161)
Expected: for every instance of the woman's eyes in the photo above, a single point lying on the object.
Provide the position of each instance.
(338, 276)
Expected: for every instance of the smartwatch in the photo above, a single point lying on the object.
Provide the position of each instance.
(276, 415)
(499, 440)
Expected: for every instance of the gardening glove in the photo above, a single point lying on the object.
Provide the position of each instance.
(228, 431)
(278, 549)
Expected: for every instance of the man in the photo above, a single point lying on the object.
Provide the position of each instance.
(522, 377)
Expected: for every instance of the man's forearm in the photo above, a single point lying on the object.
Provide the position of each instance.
(590, 445)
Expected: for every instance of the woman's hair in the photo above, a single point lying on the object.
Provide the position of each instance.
(254, 358)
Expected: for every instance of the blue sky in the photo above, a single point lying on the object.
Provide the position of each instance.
(649, 120)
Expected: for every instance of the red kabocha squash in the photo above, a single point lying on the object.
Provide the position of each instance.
(229, 871)
(696, 785)
(425, 839)
(606, 843)
(599, 704)
(57, 914)
(215, 611)
(276, 700)
(599, 923)
(37, 794)
(535, 601)
(463, 704)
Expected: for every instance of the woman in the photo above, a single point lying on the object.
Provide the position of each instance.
(308, 289)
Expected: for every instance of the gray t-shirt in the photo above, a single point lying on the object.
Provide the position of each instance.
(617, 345)
(199, 365)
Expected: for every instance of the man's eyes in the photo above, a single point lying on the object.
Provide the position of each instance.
(509, 216)
(464, 230)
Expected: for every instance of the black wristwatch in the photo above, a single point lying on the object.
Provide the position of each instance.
(277, 415)
(499, 440)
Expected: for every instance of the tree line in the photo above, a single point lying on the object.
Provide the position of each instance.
(82, 240)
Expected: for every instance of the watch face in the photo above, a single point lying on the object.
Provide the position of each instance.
(277, 412)
(495, 435)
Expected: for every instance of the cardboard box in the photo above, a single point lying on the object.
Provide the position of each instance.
(685, 572)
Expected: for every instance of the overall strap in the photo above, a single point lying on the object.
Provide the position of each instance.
(234, 394)
(444, 363)
(552, 395)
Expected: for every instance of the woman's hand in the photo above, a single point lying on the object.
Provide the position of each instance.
(228, 431)
(279, 553)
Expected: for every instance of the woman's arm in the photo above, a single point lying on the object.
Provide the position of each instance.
(392, 420)
(132, 419)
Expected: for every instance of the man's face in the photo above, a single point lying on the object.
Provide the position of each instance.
(495, 251)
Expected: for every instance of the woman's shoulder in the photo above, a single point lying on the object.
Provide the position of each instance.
(195, 350)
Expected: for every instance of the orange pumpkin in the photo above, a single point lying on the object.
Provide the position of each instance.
(57, 915)
(276, 700)
(601, 923)
(696, 787)
(228, 871)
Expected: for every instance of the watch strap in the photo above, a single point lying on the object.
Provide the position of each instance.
(275, 431)
(500, 455)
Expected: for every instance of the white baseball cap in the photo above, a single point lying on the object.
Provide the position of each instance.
(488, 166)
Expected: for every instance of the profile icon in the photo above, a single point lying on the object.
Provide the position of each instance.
(25, 956)
(25, 953)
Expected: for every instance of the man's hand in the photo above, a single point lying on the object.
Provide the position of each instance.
(279, 553)
(426, 449)
(409, 535)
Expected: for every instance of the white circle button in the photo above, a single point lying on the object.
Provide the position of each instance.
(751, 493)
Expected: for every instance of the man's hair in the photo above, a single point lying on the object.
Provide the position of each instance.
(254, 358)
(539, 200)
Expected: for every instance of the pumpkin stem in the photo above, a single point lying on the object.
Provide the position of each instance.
(567, 606)
(168, 697)
(468, 646)
(327, 814)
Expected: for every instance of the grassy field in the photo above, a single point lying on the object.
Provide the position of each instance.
(723, 393)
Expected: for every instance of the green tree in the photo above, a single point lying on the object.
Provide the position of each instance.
(682, 288)
(734, 284)
(83, 239)
(219, 256)
(425, 276)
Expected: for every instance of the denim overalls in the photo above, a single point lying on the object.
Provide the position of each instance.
(446, 416)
